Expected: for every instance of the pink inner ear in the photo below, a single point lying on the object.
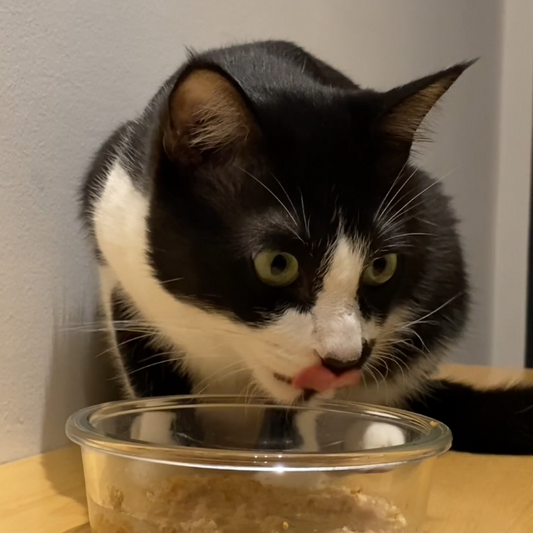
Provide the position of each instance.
(320, 379)
(208, 113)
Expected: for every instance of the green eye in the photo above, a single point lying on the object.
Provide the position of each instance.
(381, 270)
(277, 269)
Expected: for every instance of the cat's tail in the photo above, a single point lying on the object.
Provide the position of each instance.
(492, 421)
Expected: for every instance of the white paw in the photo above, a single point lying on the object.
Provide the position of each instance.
(306, 423)
(153, 427)
(372, 435)
(381, 435)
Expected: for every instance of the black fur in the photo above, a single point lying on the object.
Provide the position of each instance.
(496, 421)
(325, 139)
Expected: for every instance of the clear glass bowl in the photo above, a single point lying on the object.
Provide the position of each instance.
(221, 464)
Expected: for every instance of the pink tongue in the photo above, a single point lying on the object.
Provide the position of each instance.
(320, 379)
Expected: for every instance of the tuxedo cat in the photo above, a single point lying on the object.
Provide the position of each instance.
(260, 229)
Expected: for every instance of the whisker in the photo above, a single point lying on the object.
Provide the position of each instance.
(389, 227)
(397, 362)
(140, 326)
(431, 185)
(386, 209)
(164, 361)
(448, 302)
(286, 194)
(276, 197)
(170, 280)
(370, 369)
(218, 372)
(121, 344)
(404, 235)
(306, 222)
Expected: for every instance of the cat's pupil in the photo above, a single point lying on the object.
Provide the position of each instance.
(379, 265)
(278, 265)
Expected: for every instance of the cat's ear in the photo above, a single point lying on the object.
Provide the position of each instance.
(404, 109)
(206, 115)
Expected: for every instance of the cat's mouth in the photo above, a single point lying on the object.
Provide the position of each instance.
(320, 379)
(282, 378)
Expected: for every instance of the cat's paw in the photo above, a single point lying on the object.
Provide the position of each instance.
(372, 435)
(381, 435)
(154, 427)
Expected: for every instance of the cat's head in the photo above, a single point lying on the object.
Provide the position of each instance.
(288, 208)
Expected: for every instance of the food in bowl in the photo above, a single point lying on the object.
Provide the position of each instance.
(230, 503)
(219, 465)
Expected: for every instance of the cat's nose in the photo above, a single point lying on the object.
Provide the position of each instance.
(339, 365)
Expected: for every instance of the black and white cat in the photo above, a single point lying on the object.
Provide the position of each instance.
(259, 229)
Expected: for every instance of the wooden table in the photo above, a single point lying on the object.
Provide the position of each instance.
(471, 494)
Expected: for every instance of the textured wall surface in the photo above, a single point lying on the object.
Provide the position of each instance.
(70, 71)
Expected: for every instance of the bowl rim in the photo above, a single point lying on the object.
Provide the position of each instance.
(436, 440)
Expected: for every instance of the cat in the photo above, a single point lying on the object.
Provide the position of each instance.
(261, 229)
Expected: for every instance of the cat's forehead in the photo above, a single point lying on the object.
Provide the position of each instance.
(310, 213)
(315, 204)
(304, 230)
(329, 178)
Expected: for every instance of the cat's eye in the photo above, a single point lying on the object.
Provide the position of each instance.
(381, 270)
(277, 269)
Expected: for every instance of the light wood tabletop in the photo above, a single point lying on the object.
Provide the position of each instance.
(470, 494)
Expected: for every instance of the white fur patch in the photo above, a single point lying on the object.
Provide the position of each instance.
(339, 325)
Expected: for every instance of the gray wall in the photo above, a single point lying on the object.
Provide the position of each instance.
(70, 71)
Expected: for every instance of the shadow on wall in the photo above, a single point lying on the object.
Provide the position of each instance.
(80, 375)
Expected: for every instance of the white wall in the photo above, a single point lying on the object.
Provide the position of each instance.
(512, 209)
(72, 70)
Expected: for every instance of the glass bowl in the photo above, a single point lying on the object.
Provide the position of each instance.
(225, 464)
